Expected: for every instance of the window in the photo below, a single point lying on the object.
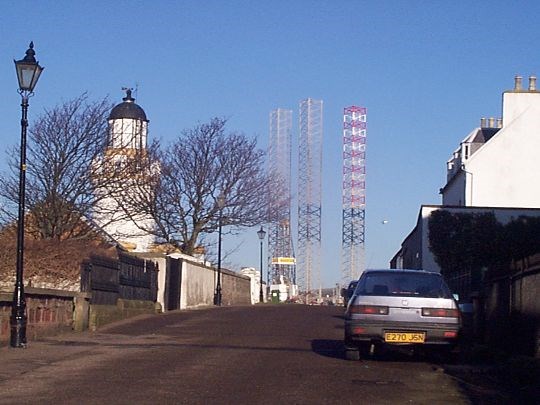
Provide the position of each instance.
(403, 284)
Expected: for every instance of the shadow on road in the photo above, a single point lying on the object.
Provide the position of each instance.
(328, 348)
(335, 349)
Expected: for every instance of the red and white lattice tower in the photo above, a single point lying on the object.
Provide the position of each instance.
(281, 263)
(309, 195)
(354, 193)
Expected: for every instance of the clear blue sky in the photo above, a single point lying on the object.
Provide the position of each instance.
(426, 70)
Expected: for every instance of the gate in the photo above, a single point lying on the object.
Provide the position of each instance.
(129, 278)
(173, 284)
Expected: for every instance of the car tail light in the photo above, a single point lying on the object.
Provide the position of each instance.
(450, 334)
(368, 309)
(440, 312)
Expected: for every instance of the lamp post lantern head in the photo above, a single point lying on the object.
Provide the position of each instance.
(261, 233)
(28, 71)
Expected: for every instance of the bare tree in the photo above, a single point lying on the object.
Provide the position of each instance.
(63, 145)
(199, 166)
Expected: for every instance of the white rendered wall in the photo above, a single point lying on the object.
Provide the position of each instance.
(428, 260)
(197, 286)
(123, 230)
(505, 170)
(516, 103)
(255, 277)
(454, 192)
(161, 280)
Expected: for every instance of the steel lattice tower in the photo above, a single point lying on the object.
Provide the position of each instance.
(309, 194)
(354, 192)
(281, 261)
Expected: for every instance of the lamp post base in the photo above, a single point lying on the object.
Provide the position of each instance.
(217, 296)
(18, 333)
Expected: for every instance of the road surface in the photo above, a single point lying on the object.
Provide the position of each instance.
(265, 354)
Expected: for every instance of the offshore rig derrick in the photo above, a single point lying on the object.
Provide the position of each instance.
(354, 193)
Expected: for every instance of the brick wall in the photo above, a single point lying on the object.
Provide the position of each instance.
(48, 312)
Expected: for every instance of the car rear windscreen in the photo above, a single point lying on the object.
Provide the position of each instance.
(403, 284)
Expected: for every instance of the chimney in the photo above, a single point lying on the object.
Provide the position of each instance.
(483, 123)
(491, 122)
(517, 83)
(499, 122)
(532, 83)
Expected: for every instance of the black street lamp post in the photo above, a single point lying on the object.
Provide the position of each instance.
(217, 295)
(261, 234)
(28, 72)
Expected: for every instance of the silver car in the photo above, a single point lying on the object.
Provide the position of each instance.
(400, 307)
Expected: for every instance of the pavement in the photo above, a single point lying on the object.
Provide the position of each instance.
(54, 349)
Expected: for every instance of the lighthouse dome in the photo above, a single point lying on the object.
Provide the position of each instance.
(128, 109)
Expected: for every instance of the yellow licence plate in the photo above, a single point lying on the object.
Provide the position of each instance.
(405, 337)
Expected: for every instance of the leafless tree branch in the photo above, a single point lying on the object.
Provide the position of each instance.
(194, 170)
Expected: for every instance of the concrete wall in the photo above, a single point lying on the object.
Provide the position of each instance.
(198, 282)
(199, 285)
(161, 279)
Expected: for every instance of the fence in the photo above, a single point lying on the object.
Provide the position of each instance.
(128, 278)
(119, 288)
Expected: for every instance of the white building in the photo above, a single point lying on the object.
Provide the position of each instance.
(495, 165)
(127, 139)
(494, 169)
(255, 277)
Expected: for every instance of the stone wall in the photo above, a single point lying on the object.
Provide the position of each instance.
(236, 289)
(103, 314)
(48, 311)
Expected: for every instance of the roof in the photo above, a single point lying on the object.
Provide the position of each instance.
(128, 109)
(484, 134)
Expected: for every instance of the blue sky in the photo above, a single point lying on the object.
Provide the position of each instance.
(426, 70)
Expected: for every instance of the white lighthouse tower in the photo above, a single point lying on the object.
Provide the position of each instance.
(115, 212)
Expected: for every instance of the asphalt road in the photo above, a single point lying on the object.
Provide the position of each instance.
(268, 354)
